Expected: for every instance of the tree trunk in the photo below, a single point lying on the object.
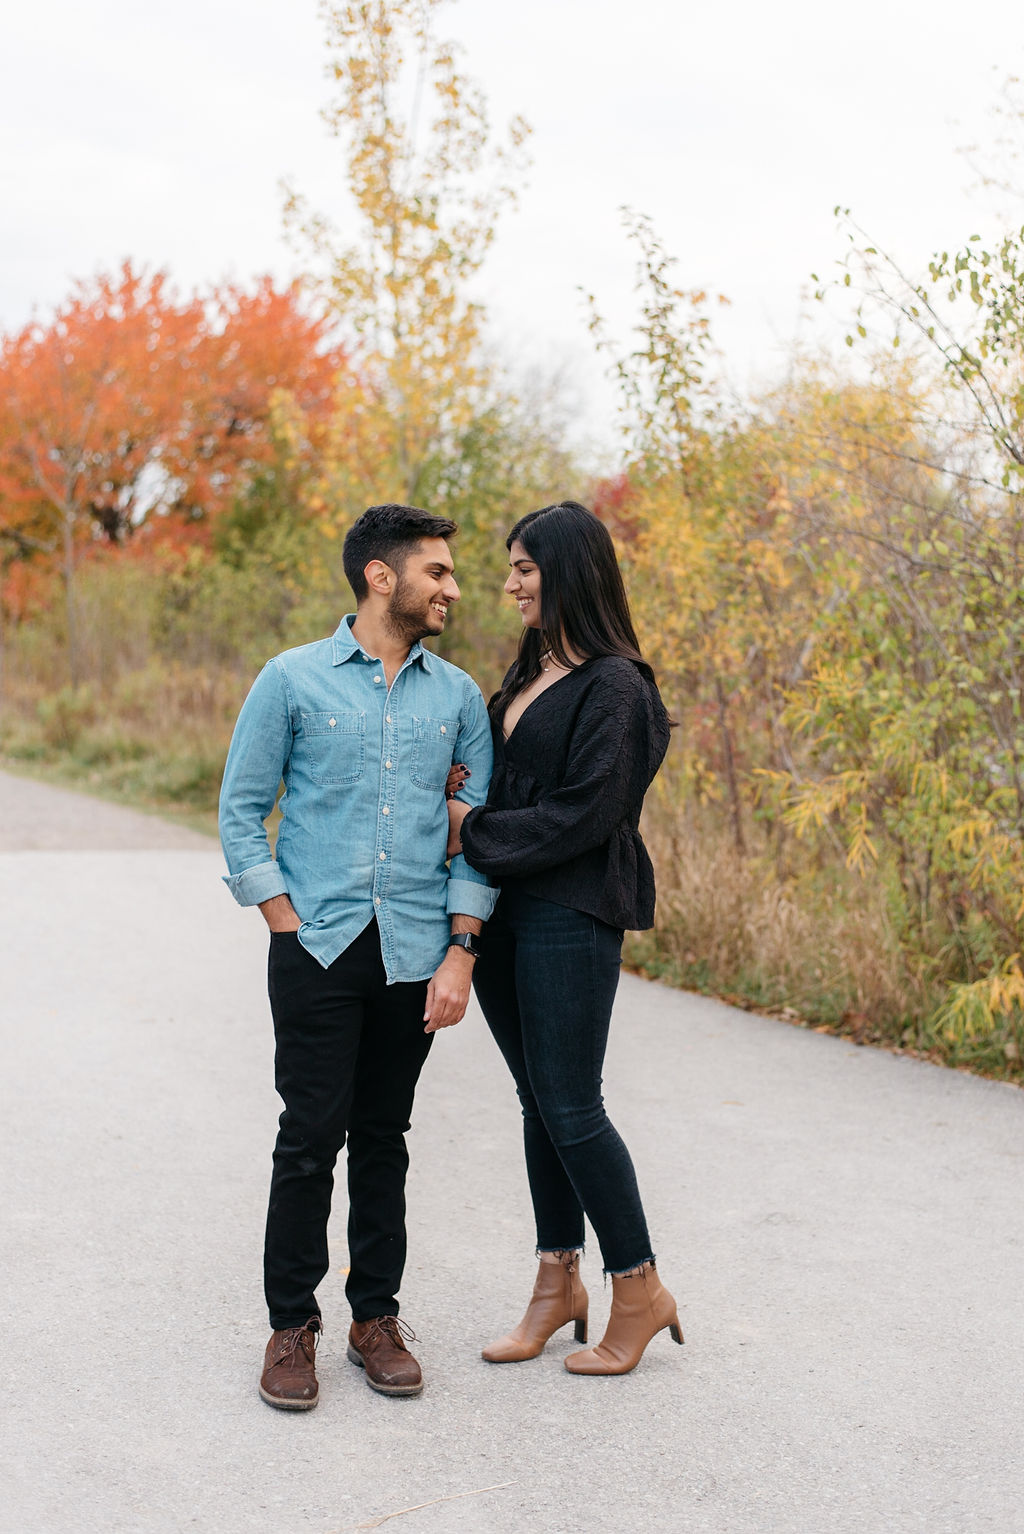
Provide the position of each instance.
(69, 599)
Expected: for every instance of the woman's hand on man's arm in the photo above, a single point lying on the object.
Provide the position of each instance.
(458, 776)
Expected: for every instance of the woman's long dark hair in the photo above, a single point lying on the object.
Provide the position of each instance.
(583, 604)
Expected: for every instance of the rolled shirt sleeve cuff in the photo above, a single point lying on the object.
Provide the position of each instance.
(254, 885)
(468, 898)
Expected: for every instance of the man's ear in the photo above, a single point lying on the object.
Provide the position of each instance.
(380, 578)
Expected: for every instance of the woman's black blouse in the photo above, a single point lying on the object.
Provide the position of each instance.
(564, 804)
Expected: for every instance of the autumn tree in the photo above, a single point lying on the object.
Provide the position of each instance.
(256, 347)
(707, 540)
(428, 183)
(913, 720)
(87, 403)
(423, 415)
(131, 406)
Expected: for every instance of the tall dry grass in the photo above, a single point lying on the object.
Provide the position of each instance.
(814, 945)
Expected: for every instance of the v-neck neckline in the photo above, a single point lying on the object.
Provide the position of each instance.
(543, 693)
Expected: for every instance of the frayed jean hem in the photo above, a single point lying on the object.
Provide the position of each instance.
(652, 1261)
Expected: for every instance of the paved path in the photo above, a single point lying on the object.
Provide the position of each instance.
(844, 1231)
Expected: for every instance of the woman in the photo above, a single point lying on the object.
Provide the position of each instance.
(579, 732)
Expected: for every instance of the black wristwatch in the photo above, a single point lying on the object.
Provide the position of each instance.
(466, 940)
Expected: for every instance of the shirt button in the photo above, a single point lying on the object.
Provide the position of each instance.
(388, 718)
(376, 900)
(332, 723)
(443, 730)
(376, 679)
(387, 764)
(382, 856)
(385, 811)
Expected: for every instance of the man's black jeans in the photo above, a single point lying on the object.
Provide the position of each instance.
(350, 1049)
(546, 983)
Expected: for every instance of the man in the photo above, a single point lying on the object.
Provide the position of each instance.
(363, 969)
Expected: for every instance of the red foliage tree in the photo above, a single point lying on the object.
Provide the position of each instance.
(616, 502)
(130, 403)
(252, 345)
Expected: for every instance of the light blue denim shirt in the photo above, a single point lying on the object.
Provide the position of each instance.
(364, 825)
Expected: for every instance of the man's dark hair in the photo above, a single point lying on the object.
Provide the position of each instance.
(388, 533)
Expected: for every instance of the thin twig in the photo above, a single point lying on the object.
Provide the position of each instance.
(375, 1523)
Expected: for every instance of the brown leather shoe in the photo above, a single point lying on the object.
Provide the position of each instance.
(378, 1346)
(289, 1375)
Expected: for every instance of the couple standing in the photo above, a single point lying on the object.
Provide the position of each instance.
(389, 860)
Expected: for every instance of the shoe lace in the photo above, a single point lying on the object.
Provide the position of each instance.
(292, 1338)
(391, 1328)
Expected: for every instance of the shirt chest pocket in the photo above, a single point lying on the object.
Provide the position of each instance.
(335, 746)
(433, 743)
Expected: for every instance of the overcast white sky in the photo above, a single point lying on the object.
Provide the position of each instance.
(161, 132)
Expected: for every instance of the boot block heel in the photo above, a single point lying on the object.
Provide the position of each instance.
(581, 1329)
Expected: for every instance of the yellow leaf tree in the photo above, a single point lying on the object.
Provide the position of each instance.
(427, 181)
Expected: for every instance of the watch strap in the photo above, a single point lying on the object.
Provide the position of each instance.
(466, 940)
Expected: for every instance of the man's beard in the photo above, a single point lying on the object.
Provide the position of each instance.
(406, 617)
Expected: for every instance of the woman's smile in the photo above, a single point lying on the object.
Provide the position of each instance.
(523, 585)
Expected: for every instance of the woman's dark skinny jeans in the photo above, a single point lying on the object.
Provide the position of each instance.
(546, 984)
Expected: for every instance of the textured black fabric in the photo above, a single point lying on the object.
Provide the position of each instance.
(562, 813)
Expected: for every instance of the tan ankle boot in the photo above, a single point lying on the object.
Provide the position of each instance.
(641, 1306)
(558, 1298)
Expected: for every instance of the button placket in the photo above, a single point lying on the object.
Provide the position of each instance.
(386, 804)
(385, 840)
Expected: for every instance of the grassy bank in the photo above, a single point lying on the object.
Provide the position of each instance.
(156, 741)
(816, 945)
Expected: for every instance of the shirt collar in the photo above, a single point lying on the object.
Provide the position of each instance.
(345, 647)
